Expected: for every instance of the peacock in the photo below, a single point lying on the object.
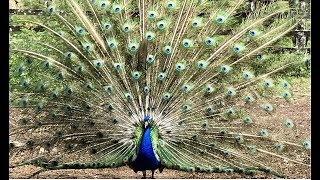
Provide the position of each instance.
(154, 85)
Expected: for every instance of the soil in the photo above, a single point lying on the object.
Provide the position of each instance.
(299, 110)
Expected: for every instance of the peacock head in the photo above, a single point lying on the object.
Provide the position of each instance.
(146, 121)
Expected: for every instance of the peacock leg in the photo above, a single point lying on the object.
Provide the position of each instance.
(144, 174)
(152, 176)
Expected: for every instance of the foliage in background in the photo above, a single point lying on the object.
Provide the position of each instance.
(29, 34)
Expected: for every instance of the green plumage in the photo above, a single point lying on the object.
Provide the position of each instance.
(83, 88)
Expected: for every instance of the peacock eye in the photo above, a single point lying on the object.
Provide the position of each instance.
(245, 75)
(186, 44)
(79, 68)
(24, 83)
(185, 88)
(208, 42)
(186, 107)
(252, 33)
(236, 49)
(179, 67)
(285, 85)
(259, 56)
(208, 89)
(222, 132)
(150, 36)
(306, 144)
(194, 24)
(167, 50)
(288, 123)
(238, 138)
(170, 5)
(209, 109)
(247, 120)
(54, 94)
(69, 90)
(146, 89)
(161, 76)
(129, 97)
(263, 133)
(136, 75)
(117, 66)
(23, 102)
(230, 111)
(46, 64)
(116, 9)
(218, 169)
(51, 9)
(126, 29)
(41, 87)
(152, 15)
(307, 61)
(219, 20)
(69, 54)
(107, 26)
(20, 69)
(60, 75)
(150, 59)
(225, 69)
(166, 96)
(161, 26)
(103, 5)
(89, 86)
(108, 88)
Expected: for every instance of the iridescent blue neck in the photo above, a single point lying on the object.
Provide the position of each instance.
(146, 159)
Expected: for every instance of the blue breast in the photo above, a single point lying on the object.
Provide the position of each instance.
(146, 159)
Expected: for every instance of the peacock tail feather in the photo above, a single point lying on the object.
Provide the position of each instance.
(83, 88)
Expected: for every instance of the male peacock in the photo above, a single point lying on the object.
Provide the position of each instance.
(153, 85)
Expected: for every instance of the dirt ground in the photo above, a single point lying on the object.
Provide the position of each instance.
(299, 110)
